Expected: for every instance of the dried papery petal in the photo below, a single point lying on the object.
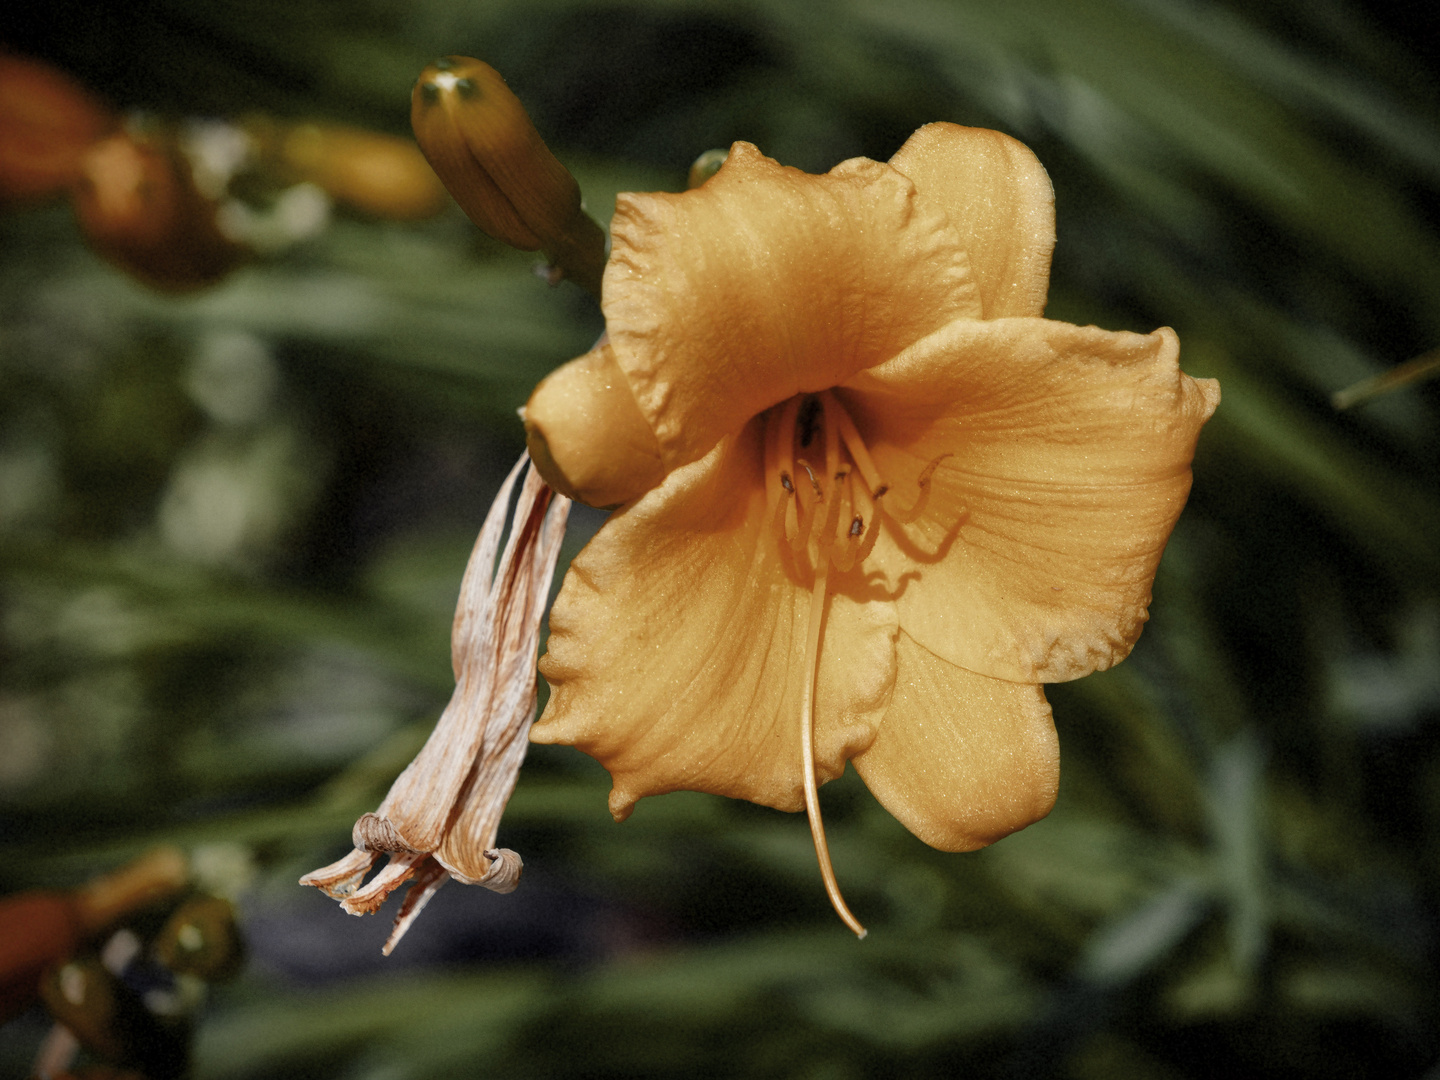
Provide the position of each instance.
(340, 879)
(441, 815)
(426, 884)
(417, 809)
(521, 589)
(400, 869)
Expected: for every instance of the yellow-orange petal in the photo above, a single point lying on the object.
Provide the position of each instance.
(676, 650)
(766, 282)
(961, 759)
(998, 198)
(1070, 462)
(586, 435)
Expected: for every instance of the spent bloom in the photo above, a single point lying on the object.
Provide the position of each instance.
(440, 818)
(870, 499)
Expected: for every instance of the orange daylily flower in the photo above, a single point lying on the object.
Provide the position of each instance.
(870, 498)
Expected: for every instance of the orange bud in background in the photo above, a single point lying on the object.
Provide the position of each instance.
(111, 1021)
(39, 929)
(138, 206)
(378, 174)
(202, 939)
(479, 139)
(47, 122)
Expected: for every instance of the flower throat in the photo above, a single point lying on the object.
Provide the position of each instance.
(813, 453)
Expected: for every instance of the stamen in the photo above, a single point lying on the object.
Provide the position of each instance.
(807, 749)
(904, 517)
(872, 534)
(855, 444)
(832, 522)
(819, 494)
(779, 468)
(801, 541)
(844, 554)
(787, 558)
(777, 455)
(867, 509)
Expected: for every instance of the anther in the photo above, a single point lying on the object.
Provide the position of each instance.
(857, 526)
(785, 482)
(819, 492)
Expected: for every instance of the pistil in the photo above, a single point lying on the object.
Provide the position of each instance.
(807, 749)
(827, 508)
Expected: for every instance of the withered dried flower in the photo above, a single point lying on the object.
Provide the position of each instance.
(441, 815)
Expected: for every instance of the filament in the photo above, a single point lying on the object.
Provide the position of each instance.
(907, 516)
(859, 452)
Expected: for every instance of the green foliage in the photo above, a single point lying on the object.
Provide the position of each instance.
(229, 623)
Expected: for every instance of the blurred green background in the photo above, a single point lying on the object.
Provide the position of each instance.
(232, 528)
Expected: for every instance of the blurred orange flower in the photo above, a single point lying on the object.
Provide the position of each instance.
(138, 206)
(47, 122)
(871, 498)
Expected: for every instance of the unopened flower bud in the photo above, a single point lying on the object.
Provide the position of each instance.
(47, 122)
(43, 928)
(110, 1020)
(479, 139)
(139, 208)
(201, 938)
(587, 436)
(379, 174)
